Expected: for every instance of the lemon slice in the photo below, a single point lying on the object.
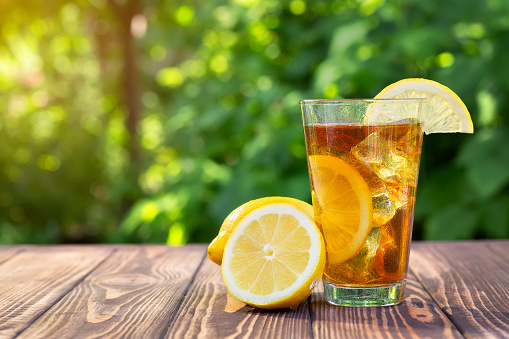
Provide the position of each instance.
(442, 111)
(343, 206)
(216, 247)
(274, 257)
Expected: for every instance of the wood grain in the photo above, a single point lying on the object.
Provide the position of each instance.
(209, 311)
(152, 291)
(501, 247)
(134, 293)
(470, 282)
(8, 252)
(416, 317)
(32, 280)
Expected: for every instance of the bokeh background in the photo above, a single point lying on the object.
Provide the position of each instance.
(149, 121)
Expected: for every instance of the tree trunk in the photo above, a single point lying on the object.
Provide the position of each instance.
(130, 80)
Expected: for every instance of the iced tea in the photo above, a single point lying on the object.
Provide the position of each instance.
(363, 166)
(387, 156)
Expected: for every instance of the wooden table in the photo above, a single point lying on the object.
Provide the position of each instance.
(455, 290)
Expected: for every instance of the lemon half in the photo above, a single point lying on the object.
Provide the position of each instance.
(274, 257)
(216, 247)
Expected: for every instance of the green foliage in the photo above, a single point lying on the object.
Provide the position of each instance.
(220, 122)
(53, 130)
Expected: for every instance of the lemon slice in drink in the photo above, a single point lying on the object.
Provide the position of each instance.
(216, 247)
(343, 206)
(442, 111)
(274, 257)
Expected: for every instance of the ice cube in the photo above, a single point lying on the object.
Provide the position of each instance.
(359, 268)
(389, 157)
(392, 258)
(381, 197)
(383, 208)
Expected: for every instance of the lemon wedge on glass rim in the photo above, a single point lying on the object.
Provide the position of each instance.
(442, 111)
(274, 256)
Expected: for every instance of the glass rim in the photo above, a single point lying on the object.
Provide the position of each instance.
(338, 101)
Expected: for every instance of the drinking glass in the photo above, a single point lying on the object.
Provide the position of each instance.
(373, 145)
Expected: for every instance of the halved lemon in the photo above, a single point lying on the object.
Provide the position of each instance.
(442, 111)
(343, 206)
(216, 247)
(274, 257)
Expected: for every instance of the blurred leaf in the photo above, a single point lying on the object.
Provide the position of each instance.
(454, 223)
(445, 188)
(346, 36)
(496, 218)
(421, 42)
(486, 161)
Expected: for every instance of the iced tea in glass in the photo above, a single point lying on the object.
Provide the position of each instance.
(367, 256)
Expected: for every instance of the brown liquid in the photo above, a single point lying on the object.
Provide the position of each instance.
(388, 158)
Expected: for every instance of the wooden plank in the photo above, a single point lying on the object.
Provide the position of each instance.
(470, 282)
(134, 293)
(34, 279)
(416, 317)
(7, 253)
(209, 311)
(499, 246)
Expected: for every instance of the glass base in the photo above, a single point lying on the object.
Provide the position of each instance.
(364, 296)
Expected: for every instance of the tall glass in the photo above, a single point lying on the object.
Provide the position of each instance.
(363, 162)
